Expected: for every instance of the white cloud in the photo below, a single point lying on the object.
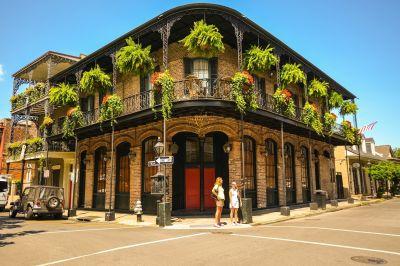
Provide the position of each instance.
(1, 72)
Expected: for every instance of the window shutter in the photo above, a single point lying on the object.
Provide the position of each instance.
(188, 66)
(213, 68)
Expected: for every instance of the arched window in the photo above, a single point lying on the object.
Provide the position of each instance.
(100, 172)
(271, 173)
(148, 154)
(305, 173)
(250, 168)
(290, 173)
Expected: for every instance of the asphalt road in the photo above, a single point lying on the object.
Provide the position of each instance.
(369, 233)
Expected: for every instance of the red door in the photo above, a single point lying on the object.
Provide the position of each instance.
(209, 178)
(192, 185)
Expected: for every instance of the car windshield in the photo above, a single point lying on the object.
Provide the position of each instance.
(3, 186)
(47, 192)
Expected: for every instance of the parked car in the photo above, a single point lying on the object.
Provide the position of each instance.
(4, 190)
(39, 201)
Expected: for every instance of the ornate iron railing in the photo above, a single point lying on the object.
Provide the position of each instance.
(33, 94)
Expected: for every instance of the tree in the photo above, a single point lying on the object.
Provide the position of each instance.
(386, 172)
(396, 152)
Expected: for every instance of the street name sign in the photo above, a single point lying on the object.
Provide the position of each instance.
(165, 160)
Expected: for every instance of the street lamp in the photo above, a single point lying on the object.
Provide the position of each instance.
(159, 147)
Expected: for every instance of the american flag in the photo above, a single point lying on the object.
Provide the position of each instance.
(367, 127)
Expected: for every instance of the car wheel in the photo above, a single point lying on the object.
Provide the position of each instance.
(12, 213)
(58, 216)
(29, 213)
(53, 203)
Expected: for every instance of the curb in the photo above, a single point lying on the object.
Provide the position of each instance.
(318, 212)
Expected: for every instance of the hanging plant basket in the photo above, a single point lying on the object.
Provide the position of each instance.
(348, 108)
(311, 118)
(351, 133)
(204, 40)
(258, 60)
(292, 74)
(134, 59)
(335, 100)
(243, 92)
(318, 89)
(63, 94)
(95, 80)
(110, 109)
(73, 121)
(163, 83)
(47, 123)
(283, 103)
(329, 122)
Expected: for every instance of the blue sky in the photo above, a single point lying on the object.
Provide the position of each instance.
(356, 42)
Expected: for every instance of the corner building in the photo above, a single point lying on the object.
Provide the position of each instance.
(284, 161)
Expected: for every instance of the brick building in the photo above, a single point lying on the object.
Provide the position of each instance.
(278, 160)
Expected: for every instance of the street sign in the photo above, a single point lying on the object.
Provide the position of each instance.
(152, 163)
(165, 160)
(46, 173)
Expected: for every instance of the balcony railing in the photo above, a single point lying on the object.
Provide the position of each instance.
(187, 90)
(32, 94)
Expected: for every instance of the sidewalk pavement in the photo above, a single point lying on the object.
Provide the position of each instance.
(260, 217)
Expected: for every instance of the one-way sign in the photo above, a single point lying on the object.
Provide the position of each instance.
(152, 163)
(165, 160)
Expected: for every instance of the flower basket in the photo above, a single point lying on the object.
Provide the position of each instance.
(311, 118)
(351, 133)
(243, 92)
(163, 84)
(73, 121)
(283, 103)
(111, 108)
(329, 122)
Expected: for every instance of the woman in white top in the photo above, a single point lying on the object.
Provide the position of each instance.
(219, 196)
(234, 203)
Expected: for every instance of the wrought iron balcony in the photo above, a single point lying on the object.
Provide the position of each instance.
(30, 97)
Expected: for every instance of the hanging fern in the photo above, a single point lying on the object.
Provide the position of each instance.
(134, 59)
(258, 60)
(73, 121)
(63, 94)
(95, 80)
(110, 109)
(204, 40)
(335, 100)
(163, 83)
(243, 92)
(351, 133)
(329, 122)
(47, 122)
(348, 107)
(292, 73)
(318, 89)
(311, 118)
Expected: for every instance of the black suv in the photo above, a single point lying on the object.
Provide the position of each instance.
(39, 201)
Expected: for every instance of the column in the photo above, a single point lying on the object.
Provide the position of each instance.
(297, 165)
(89, 178)
(261, 176)
(135, 176)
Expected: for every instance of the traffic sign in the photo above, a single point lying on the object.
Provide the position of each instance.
(165, 160)
(152, 163)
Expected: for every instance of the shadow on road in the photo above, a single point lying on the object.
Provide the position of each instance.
(13, 224)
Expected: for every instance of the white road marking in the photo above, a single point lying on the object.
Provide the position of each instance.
(319, 244)
(332, 229)
(82, 230)
(123, 247)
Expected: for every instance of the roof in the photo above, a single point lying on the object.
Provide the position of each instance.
(213, 7)
(386, 150)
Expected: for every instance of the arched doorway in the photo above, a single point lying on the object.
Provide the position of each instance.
(271, 173)
(197, 163)
(290, 174)
(122, 177)
(82, 178)
(250, 169)
(99, 182)
(305, 174)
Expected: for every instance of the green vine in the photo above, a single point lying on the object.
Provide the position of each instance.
(73, 121)
(291, 74)
(63, 94)
(351, 133)
(311, 118)
(163, 83)
(134, 59)
(329, 122)
(348, 107)
(283, 102)
(335, 100)
(110, 109)
(95, 80)
(243, 92)
(318, 89)
(258, 60)
(204, 40)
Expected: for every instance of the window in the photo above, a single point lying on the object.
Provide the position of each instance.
(368, 147)
(271, 164)
(305, 168)
(201, 68)
(249, 164)
(290, 173)
(100, 171)
(192, 150)
(148, 155)
(209, 150)
(87, 103)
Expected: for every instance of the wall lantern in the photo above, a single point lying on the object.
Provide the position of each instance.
(159, 147)
(174, 148)
(227, 147)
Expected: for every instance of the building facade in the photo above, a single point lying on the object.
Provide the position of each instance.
(276, 159)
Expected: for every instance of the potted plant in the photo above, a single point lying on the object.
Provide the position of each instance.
(17, 100)
(95, 80)
(292, 74)
(63, 94)
(311, 117)
(318, 89)
(134, 59)
(47, 123)
(243, 92)
(73, 120)
(163, 83)
(34, 145)
(110, 108)
(14, 149)
(258, 60)
(351, 133)
(329, 122)
(335, 100)
(283, 102)
(348, 107)
(204, 40)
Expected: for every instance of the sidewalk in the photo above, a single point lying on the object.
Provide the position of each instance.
(260, 217)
